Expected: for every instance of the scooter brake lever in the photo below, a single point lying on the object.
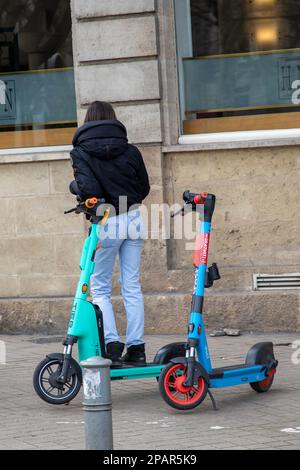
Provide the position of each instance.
(70, 210)
(76, 209)
(181, 211)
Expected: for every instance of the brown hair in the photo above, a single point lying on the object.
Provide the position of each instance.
(100, 111)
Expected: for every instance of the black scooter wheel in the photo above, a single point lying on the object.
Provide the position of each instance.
(175, 393)
(49, 389)
(264, 385)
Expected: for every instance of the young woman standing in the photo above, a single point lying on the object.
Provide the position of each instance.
(106, 166)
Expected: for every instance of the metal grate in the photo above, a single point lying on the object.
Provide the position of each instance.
(276, 281)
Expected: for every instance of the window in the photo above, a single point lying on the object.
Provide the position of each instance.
(238, 63)
(37, 93)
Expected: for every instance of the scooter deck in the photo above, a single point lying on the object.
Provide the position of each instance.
(219, 371)
(128, 365)
(237, 374)
(134, 370)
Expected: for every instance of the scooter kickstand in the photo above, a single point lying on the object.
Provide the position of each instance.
(213, 401)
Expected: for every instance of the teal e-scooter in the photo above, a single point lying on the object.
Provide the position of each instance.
(57, 379)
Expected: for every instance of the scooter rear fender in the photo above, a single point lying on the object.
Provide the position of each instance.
(262, 354)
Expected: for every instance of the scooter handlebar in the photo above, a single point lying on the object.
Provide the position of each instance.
(85, 206)
(194, 198)
(191, 199)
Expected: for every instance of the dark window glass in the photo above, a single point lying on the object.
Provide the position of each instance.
(241, 57)
(36, 69)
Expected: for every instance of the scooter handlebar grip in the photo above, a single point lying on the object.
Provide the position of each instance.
(200, 198)
(91, 202)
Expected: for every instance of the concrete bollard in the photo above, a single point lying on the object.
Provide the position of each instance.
(97, 404)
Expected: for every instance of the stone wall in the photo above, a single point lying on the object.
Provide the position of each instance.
(116, 59)
(41, 246)
(255, 229)
(38, 242)
(257, 221)
(124, 52)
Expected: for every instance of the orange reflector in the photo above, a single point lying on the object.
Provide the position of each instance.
(84, 288)
(91, 202)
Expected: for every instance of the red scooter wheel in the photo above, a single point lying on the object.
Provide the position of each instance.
(175, 393)
(264, 385)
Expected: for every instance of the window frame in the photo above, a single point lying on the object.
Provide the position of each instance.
(251, 123)
(54, 134)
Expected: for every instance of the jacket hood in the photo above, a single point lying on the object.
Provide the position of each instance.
(102, 139)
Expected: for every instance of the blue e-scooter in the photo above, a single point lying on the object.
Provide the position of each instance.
(183, 369)
(185, 381)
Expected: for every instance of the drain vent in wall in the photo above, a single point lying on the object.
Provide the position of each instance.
(276, 281)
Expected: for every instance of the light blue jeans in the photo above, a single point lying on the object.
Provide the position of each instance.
(123, 236)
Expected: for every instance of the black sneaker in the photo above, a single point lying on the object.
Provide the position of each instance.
(135, 353)
(114, 351)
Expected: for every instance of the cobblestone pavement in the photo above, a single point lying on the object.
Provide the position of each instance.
(142, 420)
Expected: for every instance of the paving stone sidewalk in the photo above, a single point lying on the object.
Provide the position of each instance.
(142, 420)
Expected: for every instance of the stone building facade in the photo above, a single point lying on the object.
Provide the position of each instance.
(125, 53)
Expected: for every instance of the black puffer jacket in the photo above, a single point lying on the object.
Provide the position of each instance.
(106, 165)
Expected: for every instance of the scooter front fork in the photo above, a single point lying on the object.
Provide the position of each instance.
(68, 346)
(191, 369)
(191, 362)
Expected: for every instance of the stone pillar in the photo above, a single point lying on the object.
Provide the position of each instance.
(115, 60)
